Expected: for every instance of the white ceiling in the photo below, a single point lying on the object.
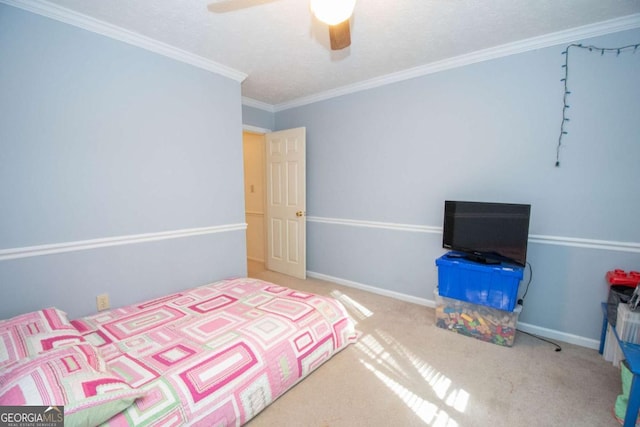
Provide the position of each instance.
(284, 50)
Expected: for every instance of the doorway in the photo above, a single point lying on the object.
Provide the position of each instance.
(253, 148)
(275, 200)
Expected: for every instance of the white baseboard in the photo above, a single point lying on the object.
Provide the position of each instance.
(558, 335)
(373, 289)
(526, 327)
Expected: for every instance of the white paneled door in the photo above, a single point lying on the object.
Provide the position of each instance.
(286, 202)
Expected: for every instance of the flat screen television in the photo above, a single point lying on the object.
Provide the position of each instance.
(486, 232)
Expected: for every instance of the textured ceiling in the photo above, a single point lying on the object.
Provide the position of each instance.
(284, 50)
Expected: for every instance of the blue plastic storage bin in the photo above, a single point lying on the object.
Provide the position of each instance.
(485, 284)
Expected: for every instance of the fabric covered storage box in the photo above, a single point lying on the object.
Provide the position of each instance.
(478, 321)
(485, 284)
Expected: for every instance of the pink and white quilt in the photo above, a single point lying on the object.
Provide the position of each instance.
(218, 354)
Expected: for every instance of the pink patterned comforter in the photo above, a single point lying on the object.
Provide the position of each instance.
(217, 354)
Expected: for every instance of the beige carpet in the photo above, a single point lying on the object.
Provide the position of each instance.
(404, 371)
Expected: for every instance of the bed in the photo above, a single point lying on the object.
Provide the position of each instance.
(215, 355)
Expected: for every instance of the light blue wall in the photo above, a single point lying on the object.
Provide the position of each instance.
(258, 117)
(486, 131)
(100, 139)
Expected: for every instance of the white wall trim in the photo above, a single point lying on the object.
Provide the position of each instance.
(58, 13)
(374, 290)
(250, 102)
(255, 129)
(88, 23)
(56, 248)
(561, 336)
(376, 224)
(568, 36)
(532, 329)
(607, 245)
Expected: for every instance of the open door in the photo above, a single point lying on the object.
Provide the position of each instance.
(286, 202)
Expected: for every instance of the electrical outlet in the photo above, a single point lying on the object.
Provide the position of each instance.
(102, 302)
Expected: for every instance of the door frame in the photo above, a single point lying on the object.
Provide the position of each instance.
(286, 217)
(266, 242)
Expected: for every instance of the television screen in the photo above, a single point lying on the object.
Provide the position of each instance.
(487, 232)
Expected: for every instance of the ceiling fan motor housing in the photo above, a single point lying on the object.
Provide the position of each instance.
(340, 35)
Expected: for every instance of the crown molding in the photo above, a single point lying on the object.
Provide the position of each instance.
(567, 36)
(250, 102)
(58, 13)
(85, 22)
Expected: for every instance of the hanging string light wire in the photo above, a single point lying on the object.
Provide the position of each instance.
(565, 66)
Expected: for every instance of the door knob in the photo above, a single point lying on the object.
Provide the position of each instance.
(299, 213)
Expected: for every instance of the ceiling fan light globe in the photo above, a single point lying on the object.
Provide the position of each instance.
(332, 12)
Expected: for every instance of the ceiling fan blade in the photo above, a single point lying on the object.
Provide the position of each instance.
(340, 35)
(224, 6)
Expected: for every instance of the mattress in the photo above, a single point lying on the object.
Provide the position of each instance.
(217, 354)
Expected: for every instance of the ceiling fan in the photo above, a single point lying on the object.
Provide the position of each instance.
(334, 13)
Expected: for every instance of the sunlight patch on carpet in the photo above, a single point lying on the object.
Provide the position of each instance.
(352, 305)
(425, 410)
(399, 368)
(376, 351)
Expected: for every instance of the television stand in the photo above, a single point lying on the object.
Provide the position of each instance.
(473, 258)
(482, 260)
(491, 285)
